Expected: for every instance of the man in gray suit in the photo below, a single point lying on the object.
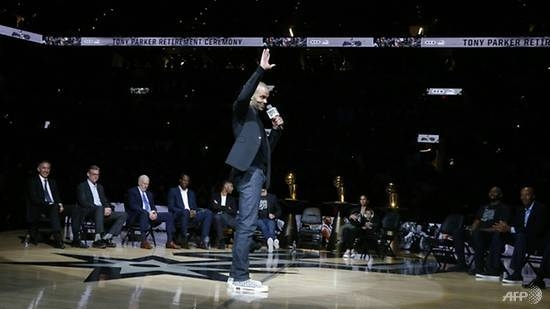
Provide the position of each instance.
(250, 159)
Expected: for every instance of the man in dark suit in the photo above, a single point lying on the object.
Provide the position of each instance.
(43, 198)
(529, 230)
(141, 208)
(224, 207)
(250, 159)
(92, 202)
(182, 203)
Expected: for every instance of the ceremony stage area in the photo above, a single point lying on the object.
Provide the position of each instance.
(40, 276)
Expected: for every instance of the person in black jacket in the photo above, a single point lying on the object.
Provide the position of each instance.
(224, 207)
(361, 222)
(43, 198)
(93, 203)
(250, 159)
(528, 230)
(268, 212)
(485, 236)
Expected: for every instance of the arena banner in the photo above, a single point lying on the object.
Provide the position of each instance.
(297, 42)
(479, 42)
(339, 42)
(21, 34)
(172, 41)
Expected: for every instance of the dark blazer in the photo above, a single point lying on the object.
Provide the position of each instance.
(537, 224)
(175, 201)
(84, 196)
(230, 208)
(135, 202)
(248, 130)
(35, 197)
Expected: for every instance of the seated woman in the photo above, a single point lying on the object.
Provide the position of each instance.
(360, 224)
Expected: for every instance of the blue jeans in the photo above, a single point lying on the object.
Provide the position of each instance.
(267, 226)
(250, 187)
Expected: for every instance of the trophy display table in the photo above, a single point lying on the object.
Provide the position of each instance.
(290, 208)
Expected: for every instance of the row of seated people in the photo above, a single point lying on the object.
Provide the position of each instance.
(43, 198)
(496, 225)
(183, 211)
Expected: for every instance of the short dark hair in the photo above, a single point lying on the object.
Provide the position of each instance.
(93, 167)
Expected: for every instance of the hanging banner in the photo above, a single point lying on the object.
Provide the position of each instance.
(172, 41)
(297, 42)
(21, 34)
(473, 42)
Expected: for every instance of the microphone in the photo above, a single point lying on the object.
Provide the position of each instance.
(272, 112)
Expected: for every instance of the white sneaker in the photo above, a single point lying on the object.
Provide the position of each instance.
(270, 245)
(248, 286)
(246, 297)
(230, 280)
(347, 254)
(276, 244)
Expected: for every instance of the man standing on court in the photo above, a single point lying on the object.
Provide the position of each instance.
(250, 159)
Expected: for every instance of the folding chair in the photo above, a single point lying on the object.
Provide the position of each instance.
(133, 233)
(87, 230)
(442, 246)
(390, 227)
(532, 258)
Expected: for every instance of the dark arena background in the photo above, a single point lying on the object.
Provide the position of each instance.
(442, 99)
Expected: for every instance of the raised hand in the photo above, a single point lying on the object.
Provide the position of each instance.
(264, 62)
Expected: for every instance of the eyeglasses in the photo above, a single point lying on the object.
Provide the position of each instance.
(94, 174)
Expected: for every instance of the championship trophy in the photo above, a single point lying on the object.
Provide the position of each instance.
(339, 184)
(290, 180)
(393, 199)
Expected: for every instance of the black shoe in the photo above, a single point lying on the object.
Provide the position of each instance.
(475, 271)
(221, 246)
(59, 244)
(109, 243)
(514, 278)
(99, 244)
(536, 282)
(79, 244)
(184, 244)
(493, 276)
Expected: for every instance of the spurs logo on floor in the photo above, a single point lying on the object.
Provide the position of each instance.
(213, 265)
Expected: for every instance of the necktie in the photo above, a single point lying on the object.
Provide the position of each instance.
(145, 202)
(526, 218)
(47, 193)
